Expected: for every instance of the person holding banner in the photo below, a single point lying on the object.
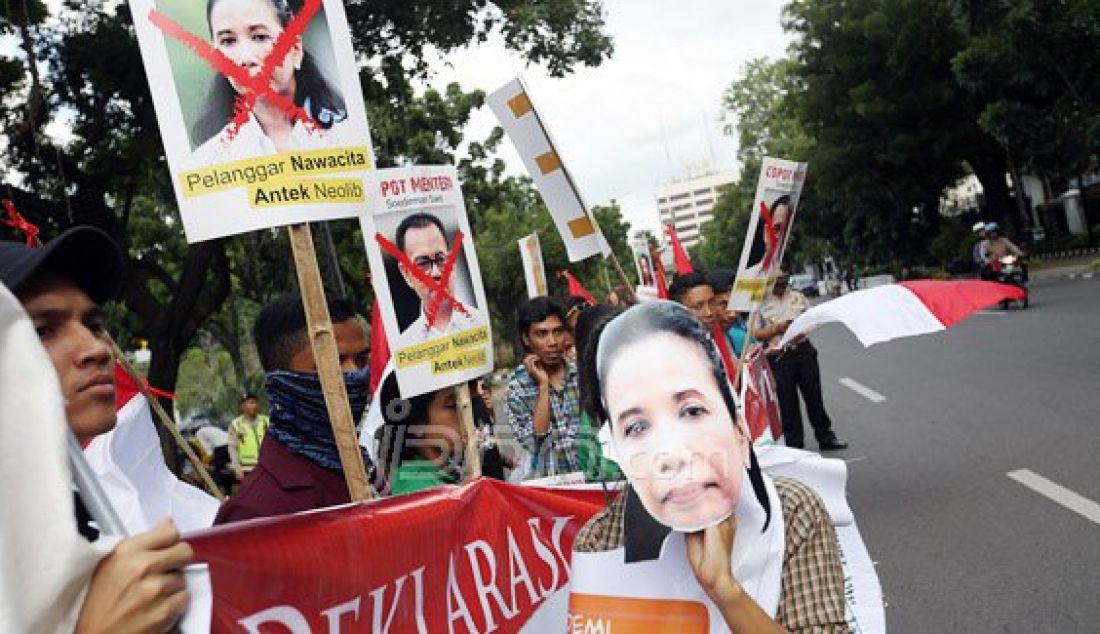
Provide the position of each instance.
(542, 401)
(694, 291)
(246, 31)
(795, 367)
(655, 376)
(138, 586)
(421, 444)
(299, 467)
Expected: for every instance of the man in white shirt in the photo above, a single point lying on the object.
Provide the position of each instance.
(422, 239)
(795, 367)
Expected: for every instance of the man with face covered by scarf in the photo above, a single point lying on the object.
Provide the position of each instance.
(299, 467)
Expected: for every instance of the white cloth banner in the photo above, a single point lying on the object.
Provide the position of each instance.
(873, 315)
(534, 273)
(514, 108)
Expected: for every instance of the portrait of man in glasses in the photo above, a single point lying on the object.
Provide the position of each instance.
(422, 239)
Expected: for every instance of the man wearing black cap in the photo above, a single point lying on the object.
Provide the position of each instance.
(139, 586)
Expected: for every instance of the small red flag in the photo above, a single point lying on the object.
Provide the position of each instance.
(680, 257)
(576, 288)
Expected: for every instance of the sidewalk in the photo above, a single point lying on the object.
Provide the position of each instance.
(1068, 267)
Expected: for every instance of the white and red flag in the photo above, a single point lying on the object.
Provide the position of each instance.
(130, 467)
(906, 309)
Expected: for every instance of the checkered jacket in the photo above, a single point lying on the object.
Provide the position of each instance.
(812, 599)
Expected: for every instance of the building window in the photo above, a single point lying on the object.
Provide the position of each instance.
(679, 196)
(702, 202)
(702, 192)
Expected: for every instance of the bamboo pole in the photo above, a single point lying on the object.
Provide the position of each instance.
(323, 341)
(471, 450)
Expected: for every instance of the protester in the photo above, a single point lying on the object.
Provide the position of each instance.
(422, 239)
(299, 467)
(621, 295)
(721, 282)
(245, 31)
(246, 434)
(421, 444)
(573, 306)
(542, 395)
(139, 585)
(493, 461)
(654, 374)
(694, 291)
(795, 367)
(734, 324)
(593, 464)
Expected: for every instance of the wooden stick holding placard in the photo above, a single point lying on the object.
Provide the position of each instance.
(471, 449)
(323, 341)
(166, 422)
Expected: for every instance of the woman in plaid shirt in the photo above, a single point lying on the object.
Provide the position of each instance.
(655, 375)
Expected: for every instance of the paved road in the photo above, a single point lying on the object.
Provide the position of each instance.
(960, 546)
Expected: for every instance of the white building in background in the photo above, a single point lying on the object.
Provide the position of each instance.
(688, 204)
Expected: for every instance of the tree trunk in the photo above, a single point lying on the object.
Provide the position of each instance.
(990, 171)
(195, 299)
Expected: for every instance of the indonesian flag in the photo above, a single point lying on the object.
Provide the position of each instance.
(130, 467)
(905, 309)
(759, 398)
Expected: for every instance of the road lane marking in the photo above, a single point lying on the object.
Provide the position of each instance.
(1060, 494)
(862, 390)
(993, 313)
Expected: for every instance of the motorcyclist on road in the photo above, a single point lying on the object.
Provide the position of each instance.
(995, 246)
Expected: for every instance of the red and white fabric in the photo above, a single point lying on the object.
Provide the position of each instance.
(905, 309)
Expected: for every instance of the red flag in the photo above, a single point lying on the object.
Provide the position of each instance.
(576, 288)
(659, 272)
(724, 349)
(18, 222)
(379, 347)
(680, 257)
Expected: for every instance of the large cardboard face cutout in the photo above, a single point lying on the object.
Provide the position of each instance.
(673, 432)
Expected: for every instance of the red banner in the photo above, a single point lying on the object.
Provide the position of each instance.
(477, 558)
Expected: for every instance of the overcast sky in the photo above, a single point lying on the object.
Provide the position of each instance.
(649, 114)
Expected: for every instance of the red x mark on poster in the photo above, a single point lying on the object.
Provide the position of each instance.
(437, 290)
(254, 87)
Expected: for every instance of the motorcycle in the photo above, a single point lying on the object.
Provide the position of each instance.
(1010, 270)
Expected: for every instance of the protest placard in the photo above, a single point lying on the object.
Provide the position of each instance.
(643, 264)
(514, 108)
(530, 252)
(260, 110)
(777, 193)
(427, 278)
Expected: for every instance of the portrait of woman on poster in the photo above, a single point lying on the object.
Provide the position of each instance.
(645, 270)
(764, 254)
(763, 550)
(246, 31)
